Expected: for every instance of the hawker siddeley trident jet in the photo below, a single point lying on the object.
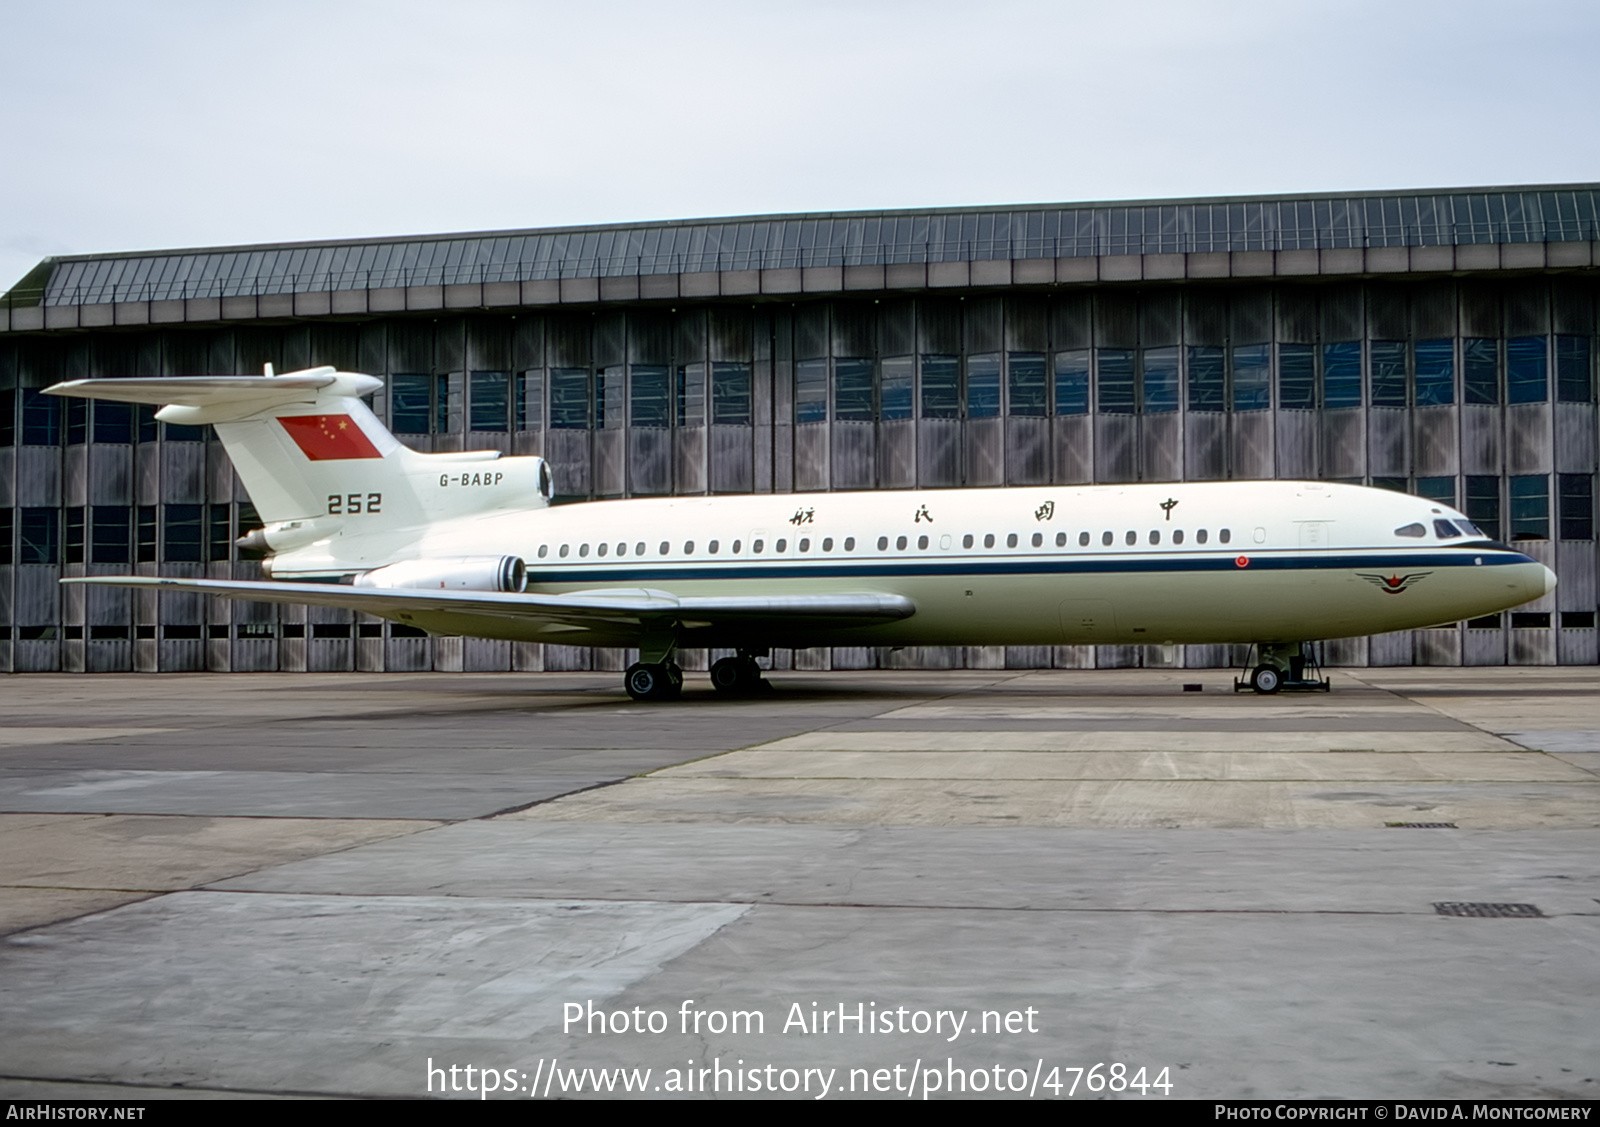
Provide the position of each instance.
(468, 543)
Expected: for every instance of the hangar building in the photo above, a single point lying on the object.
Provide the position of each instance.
(1439, 342)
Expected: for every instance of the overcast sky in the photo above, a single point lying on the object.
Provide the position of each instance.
(165, 124)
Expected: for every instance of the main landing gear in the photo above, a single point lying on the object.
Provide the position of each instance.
(739, 676)
(656, 680)
(1289, 666)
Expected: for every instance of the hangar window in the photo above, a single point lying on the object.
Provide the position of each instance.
(849, 543)
(730, 393)
(1341, 374)
(883, 543)
(966, 541)
(900, 544)
(1028, 390)
(1072, 382)
(922, 543)
(1526, 378)
(1530, 507)
(1576, 506)
(941, 387)
(1573, 382)
(1252, 387)
(111, 533)
(1114, 382)
(1160, 380)
(1106, 538)
(1297, 376)
(41, 536)
(852, 389)
(689, 395)
(488, 400)
(896, 385)
(1480, 371)
(1436, 372)
(1083, 539)
(988, 540)
(569, 398)
(649, 396)
(583, 550)
(1207, 378)
(410, 402)
(811, 391)
(983, 385)
(1388, 361)
(1131, 537)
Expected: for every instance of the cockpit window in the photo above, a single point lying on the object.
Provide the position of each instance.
(1413, 530)
(1445, 530)
(1471, 529)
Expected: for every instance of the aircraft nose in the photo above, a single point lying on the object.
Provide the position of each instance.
(1549, 578)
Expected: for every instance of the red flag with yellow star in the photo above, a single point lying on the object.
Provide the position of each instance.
(328, 438)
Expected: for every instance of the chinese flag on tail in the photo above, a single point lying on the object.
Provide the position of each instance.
(328, 438)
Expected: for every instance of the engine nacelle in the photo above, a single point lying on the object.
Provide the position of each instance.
(460, 573)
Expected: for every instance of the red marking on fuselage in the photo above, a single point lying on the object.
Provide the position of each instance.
(328, 438)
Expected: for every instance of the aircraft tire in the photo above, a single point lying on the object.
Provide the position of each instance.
(727, 676)
(1267, 679)
(651, 682)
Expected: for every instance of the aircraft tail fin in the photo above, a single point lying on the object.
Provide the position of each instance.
(320, 466)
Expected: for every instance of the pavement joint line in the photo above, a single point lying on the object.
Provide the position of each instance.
(543, 801)
(862, 905)
(80, 1082)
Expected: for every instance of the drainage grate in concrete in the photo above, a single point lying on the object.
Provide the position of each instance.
(1489, 911)
(1421, 825)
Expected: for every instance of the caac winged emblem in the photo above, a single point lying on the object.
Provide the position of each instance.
(1393, 584)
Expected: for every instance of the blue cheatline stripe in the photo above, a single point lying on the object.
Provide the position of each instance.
(914, 568)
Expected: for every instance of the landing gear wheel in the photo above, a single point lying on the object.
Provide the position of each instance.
(736, 676)
(653, 682)
(1266, 679)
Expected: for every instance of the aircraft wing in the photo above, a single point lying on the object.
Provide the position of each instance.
(609, 608)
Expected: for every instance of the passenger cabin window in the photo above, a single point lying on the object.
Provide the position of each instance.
(1201, 536)
(1224, 535)
(1038, 539)
(1132, 537)
(756, 546)
(966, 541)
(1413, 530)
(883, 543)
(638, 549)
(713, 546)
(988, 540)
(736, 545)
(688, 547)
(583, 551)
(1106, 538)
(665, 547)
(1061, 540)
(827, 543)
(1155, 536)
(1083, 539)
(1011, 541)
(849, 543)
(781, 546)
(563, 552)
(805, 543)
(603, 549)
(900, 544)
(544, 550)
(922, 543)
(1177, 537)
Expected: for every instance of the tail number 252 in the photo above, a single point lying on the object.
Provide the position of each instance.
(352, 503)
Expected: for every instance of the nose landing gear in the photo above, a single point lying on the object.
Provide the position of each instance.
(1289, 666)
